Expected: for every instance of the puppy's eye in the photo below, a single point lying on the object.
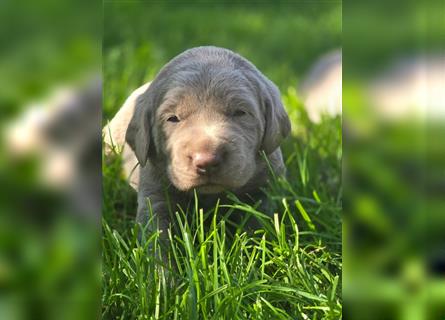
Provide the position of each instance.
(173, 119)
(239, 113)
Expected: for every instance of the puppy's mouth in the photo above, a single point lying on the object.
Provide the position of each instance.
(186, 181)
(203, 185)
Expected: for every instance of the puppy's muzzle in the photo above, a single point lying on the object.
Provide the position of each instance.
(206, 160)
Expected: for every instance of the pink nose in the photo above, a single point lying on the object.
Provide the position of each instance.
(205, 162)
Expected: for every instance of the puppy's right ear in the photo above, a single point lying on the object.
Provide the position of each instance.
(138, 131)
(278, 125)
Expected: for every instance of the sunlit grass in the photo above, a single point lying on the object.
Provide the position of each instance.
(208, 275)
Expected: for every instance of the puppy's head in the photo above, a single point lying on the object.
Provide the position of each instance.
(204, 119)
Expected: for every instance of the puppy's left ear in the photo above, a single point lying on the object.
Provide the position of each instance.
(277, 121)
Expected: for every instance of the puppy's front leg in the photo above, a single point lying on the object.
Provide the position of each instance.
(152, 206)
(153, 213)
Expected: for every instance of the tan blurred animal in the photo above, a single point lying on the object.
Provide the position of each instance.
(201, 125)
(410, 88)
(63, 132)
(114, 137)
(322, 88)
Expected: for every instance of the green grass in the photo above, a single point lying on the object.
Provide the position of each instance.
(288, 269)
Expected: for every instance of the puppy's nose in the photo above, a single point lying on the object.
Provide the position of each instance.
(205, 162)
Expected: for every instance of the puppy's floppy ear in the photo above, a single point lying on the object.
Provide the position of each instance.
(277, 121)
(138, 131)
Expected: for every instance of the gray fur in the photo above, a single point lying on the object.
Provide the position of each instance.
(206, 88)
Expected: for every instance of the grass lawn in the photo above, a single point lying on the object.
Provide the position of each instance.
(291, 267)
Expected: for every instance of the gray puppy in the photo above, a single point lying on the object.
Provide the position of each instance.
(201, 125)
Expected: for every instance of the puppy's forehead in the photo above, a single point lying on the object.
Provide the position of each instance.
(215, 103)
(216, 96)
